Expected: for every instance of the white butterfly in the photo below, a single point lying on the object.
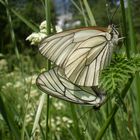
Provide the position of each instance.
(79, 55)
(56, 84)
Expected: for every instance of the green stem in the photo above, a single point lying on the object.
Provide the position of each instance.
(90, 14)
(124, 28)
(23, 19)
(113, 112)
(83, 13)
(5, 110)
(48, 20)
(132, 37)
(12, 31)
(25, 113)
(134, 50)
(48, 16)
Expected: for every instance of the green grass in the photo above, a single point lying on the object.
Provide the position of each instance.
(27, 113)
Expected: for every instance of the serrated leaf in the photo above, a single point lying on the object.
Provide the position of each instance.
(116, 76)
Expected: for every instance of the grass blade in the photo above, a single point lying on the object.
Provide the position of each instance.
(132, 37)
(124, 28)
(38, 114)
(23, 19)
(134, 49)
(12, 31)
(113, 112)
(9, 118)
(90, 14)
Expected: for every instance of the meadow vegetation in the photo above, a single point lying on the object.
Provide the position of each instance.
(26, 113)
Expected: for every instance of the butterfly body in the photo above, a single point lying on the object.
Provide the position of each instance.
(81, 54)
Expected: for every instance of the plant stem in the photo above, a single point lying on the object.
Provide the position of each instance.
(90, 14)
(113, 112)
(48, 20)
(5, 110)
(38, 114)
(12, 31)
(22, 18)
(131, 29)
(134, 50)
(124, 28)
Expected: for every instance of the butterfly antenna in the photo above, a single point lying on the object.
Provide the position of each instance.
(114, 14)
(107, 11)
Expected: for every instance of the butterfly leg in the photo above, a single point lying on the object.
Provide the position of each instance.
(101, 94)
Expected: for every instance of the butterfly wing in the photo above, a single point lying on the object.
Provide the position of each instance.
(82, 53)
(56, 84)
(84, 64)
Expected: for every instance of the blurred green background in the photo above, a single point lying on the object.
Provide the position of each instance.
(25, 112)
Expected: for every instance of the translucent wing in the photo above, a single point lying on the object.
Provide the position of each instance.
(56, 84)
(82, 53)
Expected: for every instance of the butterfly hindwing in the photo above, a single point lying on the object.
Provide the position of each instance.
(56, 84)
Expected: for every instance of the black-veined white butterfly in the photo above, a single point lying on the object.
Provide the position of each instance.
(79, 55)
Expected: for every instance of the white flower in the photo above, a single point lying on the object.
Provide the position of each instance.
(67, 120)
(28, 118)
(42, 70)
(34, 79)
(3, 64)
(43, 123)
(35, 38)
(58, 129)
(43, 31)
(59, 105)
(43, 27)
(9, 75)
(31, 79)
(8, 84)
(58, 29)
(18, 84)
(33, 93)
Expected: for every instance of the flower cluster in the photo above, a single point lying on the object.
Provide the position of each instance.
(36, 37)
(58, 123)
(58, 105)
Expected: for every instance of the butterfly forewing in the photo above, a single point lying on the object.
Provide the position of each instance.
(79, 53)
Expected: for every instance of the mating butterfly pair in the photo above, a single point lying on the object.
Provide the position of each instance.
(79, 55)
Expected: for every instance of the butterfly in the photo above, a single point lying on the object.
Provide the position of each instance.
(79, 56)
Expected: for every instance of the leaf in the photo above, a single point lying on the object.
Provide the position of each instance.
(114, 77)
